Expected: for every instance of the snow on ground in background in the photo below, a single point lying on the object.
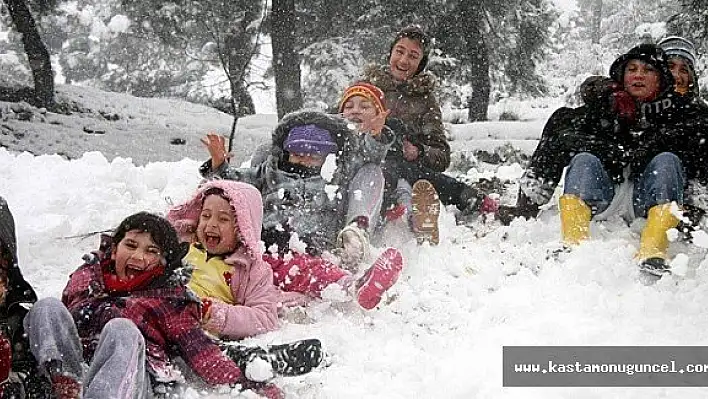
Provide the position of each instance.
(143, 131)
(454, 308)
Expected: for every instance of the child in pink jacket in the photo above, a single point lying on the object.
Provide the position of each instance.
(223, 223)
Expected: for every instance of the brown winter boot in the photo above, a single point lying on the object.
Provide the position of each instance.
(426, 210)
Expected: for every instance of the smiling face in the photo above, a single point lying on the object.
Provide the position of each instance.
(135, 253)
(359, 109)
(217, 226)
(405, 59)
(682, 74)
(641, 80)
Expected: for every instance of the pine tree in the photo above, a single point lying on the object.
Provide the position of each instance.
(37, 53)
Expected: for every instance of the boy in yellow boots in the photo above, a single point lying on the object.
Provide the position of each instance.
(634, 135)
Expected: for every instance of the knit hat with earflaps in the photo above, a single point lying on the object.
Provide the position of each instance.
(652, 55)
(416, 33)
(366, 90)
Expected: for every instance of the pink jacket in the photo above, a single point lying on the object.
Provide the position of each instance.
(252, 278)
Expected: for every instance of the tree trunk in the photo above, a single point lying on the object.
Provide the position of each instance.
(37, 53)
(596, 18)
(239, 46)
(286, 63)
(478, 101)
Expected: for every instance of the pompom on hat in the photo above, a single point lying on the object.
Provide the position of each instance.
(366, 90)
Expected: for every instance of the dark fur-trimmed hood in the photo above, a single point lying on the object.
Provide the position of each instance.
(380, 76)
(337, 127)
(19, 290)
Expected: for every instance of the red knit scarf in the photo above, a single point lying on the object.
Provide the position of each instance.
(114, 285)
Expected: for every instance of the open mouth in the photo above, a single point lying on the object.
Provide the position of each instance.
(402, 70)
(212, 240)
(133, 270)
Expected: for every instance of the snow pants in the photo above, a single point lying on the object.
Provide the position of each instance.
(305, 273)
(117, 369)
(366, 195)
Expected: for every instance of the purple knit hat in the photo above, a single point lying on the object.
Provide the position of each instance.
(309, 139)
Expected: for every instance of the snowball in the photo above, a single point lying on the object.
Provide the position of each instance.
(679, 265)
(259, 370)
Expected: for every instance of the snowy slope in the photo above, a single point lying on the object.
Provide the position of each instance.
(455, 307)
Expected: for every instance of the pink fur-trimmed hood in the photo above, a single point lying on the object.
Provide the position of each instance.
(246, 204)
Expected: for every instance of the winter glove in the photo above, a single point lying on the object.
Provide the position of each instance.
(606, 94)
(524, 208)
(489, 206)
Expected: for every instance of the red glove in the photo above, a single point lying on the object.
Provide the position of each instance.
(5, 358)
(489, 205)
(623, 105)
(600, 91)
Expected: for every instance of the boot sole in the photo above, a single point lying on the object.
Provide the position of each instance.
(426, 211)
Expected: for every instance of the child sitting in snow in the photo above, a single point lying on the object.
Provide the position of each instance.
(126, 312)
(411, 188)
(18, 373)
(300, 204)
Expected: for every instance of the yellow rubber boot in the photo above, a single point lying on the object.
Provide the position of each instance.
(654, 241)
(575, 219)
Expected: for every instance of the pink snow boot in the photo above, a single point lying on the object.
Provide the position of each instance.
(381, 276)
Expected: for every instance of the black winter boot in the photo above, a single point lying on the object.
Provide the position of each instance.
(655, 266)
(295, 358)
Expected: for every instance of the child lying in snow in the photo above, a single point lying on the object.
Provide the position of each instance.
(125, 312)
(296, 201)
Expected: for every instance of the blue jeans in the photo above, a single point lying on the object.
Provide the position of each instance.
(661, 182)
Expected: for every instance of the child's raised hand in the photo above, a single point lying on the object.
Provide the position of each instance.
(375, 124)
(216, 145)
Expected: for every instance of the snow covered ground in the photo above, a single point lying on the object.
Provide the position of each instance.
(455, 307)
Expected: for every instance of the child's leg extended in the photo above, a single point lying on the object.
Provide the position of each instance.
(304, 273)
(118, 365)
(366, 194)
